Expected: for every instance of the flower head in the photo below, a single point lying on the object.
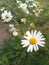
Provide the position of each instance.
(6, 16)
(37, 11)
(23, 20)
(33, 40)
(15, 33)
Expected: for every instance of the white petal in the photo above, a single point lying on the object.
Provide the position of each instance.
(35, 32)
(29, 35)
(36, 14)
(25, 45)
(34, 11)
(30, 48)
(35, 49)
(24, 41)
(39, 33)
(41, 45)
(32, 32)
(41, 42)
(42, 38)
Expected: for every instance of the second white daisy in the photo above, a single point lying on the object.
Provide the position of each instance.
(33, 40)
(6, 16)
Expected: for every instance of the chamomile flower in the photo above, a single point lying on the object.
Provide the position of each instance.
(33, 40)
(37, 11)
(15, 33)
(23, 20)
(6, 16)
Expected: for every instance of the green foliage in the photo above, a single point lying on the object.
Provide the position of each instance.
(12, 53)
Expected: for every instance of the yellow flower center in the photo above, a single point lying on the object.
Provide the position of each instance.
(24, 19)
(26, 34)
(7, 16)
(33, 40)
(37, 10)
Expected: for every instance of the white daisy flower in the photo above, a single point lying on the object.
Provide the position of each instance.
(6, 16)
(33, 40)
(37, 11)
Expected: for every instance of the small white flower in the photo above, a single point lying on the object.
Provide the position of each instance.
(33, 40)
(15, 33)
(2, 9)
(37, 11)
(6, 16)
(11, 25)
(23, 20)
